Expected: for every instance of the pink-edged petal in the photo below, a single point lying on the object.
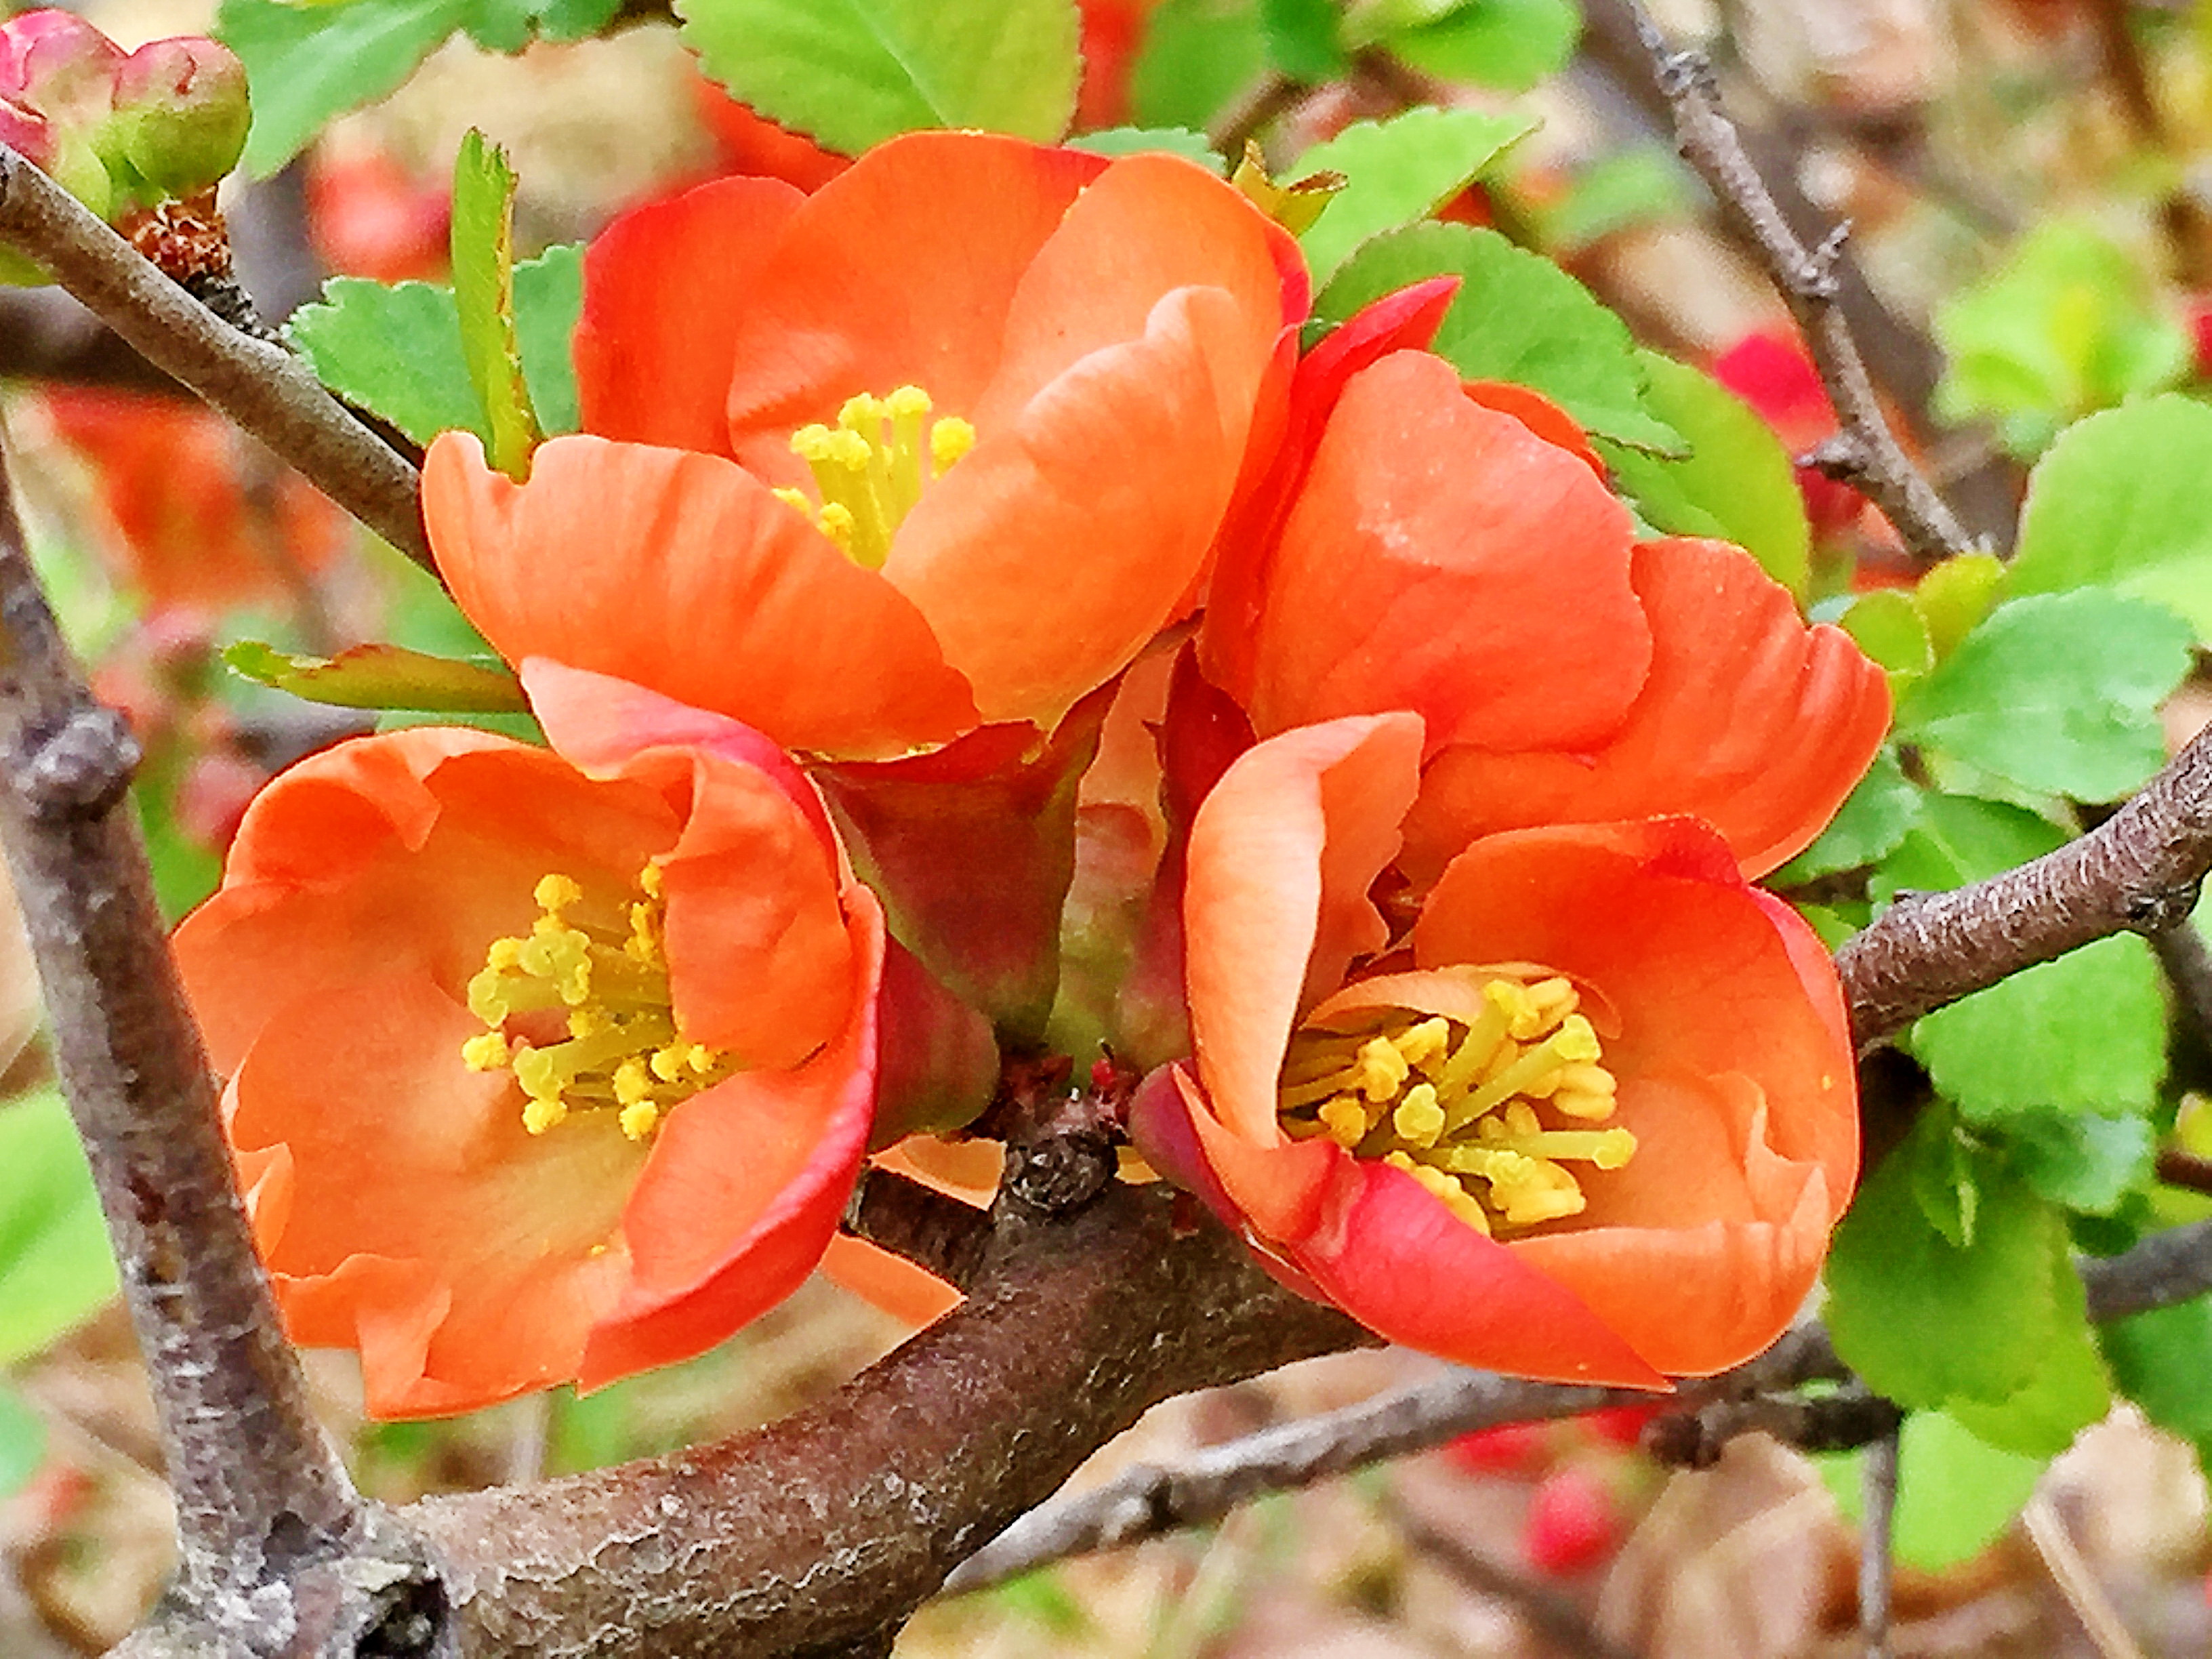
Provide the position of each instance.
(682, 572)
(743, 1191)
(1281, 855)
(1443, 558)
(1750, 720)
(667, 288)
(1394, 1258)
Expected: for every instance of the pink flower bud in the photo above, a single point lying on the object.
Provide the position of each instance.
(59, 64)
(26, 133)
(181, 112)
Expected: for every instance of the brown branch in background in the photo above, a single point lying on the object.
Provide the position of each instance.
(1878, 1488)
(45, 335)
(1842, 1421)
(1556, 1620)
(1865, 453)
(1245, 120)
(262, 387)
(2183, 953)
(2137, 872)
(2184, 1170)
(2187, 232)
(260, 1495)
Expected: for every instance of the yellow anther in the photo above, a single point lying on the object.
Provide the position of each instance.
(539, 1115)
(1424, 1042)
(837, 522)
(950, 440)
(798, 500)
(869, 469)
(638, 1119)
(555, 893)
(1417, 1117)
(632, 1083)
(700, 1058)
(504, 957)
(487, 1052)
(861, 414)
(907, 403)
(1346, 1120)
(1382, 1068)
(830, 446)
(667, 1064)
(590, 1022)
(1575, 1041)
(651, 879)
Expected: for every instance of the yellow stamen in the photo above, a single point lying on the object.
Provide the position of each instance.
(599, 978)
(868, 468)
(1455, 1103)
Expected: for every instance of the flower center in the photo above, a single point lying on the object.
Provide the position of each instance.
(869, 468)
(1455, 1104)
(607, 990)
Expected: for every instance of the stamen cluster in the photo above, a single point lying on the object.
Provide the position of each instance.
(1455, 1103)
(623, 1050)
(869, 469)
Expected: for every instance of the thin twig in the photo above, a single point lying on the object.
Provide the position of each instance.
(1842, 1421)
(1878, 1487)
(2188, 963)
(2138, 872)
(262, 388)
(1556, 1619)
(909, 1219)
(258, 1491)
(1245, 120)
(2184, 1170)
(2046, 1531)
(1865, 453)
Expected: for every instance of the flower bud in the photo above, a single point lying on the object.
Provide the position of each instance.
(59, 64)
(181, 114)
(26, 133)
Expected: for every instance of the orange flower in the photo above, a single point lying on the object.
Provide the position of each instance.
(1590, 1120)
(1454, 550)
(541, 1066)
(945, 443)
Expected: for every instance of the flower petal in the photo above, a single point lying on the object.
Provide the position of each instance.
(1395, 1259)
(1282, 854)
(681, 573)
(667, 288)
(1750, 719)
(1443, 558)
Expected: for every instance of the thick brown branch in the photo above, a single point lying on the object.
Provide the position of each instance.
(1810, 282)
(2137, 872)
(260, 1495)
(264, 389)
(826, 1529)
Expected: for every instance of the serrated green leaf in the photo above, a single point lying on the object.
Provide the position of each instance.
(1142, 141)
(1517, 317)
(55, 1268)
(1871, 823)
(2069, 1390)
(383, 676)
(307, 64)
(396, 349)
(2119, 500)
(1397, 172)
(851, 73)
(2057, 692)
(1925, 1320)
(1736, 482)
(1889, 628)
(508, 25)
(2070, 324)
(483, 300)
(2083, 1160)
(1509, 44)
(1956, 1493)
(1302, 39)
(1197, 58)
(22, 1441)
(2085, 1033)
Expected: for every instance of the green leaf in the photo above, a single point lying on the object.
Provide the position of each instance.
(1302, 39)
(1198, 56)
(1956, 1493)
(2070, 324)
(2083, 1160)
(1871, 823)
(1517, 317)
(483, 300)
(1141, 141)
(2160, 1360)
(55, 1268)
(2068, 1393)
(1736, 483)
(307, 64)
(1396, 173)
(1960, 839)
(1954, 597)
(2057, 692)
(851, 73)
(1615, 192)
(1510, 45)
(1889, 627)
(383, 676)
(508, 25)
(2120, 499)
(22, 1441)
(396, 349)
(1927, 1320)
(2085, 1033)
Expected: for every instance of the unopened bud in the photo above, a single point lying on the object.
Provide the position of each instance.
(59, 64)
(181, 114)
(26, 132)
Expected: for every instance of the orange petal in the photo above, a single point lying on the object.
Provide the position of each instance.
(905, 1291)
(1281, 856)
(667, 288)
(744, 1190)
(1750, 719)
(489, 1241)
(1443, 558)
(1539, 414)
(681, 573)
(1051, 556)
(1272, 1190)
(900, 271)
(1394, 1258)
